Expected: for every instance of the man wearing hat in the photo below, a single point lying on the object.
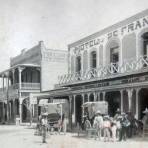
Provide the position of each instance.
(44, 126)
(118, 113)
(145, 118)
(98, 123)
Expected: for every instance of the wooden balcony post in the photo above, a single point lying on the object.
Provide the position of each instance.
(137, 102)
(121, 100)
(20, 69)
(13, 78)
(70, 111)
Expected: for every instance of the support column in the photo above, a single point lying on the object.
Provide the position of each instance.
(20, 109)
(121, 101)
(20, 69)
(83, 98)
(130, 93)
(14, 110)
(104, 93)
(10, 109)
(137, 103)
(70, 112)
(13, 78)
(74, 109)
(3, 108)
(7, 96)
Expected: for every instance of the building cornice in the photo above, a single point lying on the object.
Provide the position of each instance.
(110, 28)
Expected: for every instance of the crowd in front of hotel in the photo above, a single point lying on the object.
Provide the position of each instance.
(109, 129)
(120, 127)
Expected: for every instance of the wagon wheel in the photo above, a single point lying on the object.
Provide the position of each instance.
(87, 125)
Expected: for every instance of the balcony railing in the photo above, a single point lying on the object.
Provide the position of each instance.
(26, 86)
(102, 72)
(32, 86)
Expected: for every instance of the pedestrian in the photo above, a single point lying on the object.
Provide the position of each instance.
(145, 118)
(124, 125)
(98, 124)
(44, 127)
(116, 119)
(130, 128)
(106, 128)
(113, 130)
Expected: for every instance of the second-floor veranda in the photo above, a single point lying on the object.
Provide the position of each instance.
(21, 77)
(112, 70)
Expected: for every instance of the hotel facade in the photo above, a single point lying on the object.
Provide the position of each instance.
(110, 65)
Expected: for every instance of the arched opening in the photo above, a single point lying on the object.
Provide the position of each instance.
(113, 99)
(113, 53)
(143, 101)
(78, 109)
(145, 43)
(93, 59)
(78, 64)
(91, 97)
(85, 98)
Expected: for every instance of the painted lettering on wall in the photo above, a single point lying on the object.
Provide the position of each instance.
(129, 28)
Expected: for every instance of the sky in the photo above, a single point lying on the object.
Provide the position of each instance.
(57, 22)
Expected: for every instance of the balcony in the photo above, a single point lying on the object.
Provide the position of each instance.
(108, 71)
(12, 90)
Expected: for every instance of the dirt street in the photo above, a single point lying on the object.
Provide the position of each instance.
(23, 137)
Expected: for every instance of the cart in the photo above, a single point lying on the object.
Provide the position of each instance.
(88, 113)
(56, 112)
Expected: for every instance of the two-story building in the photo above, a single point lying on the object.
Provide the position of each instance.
(110, 65)
(31, 72)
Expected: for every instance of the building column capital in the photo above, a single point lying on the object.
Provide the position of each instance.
(20, 69)
(13, 70)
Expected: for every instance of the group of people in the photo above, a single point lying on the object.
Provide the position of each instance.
(114, 128)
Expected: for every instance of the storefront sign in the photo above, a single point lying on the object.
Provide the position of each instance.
(113, 82)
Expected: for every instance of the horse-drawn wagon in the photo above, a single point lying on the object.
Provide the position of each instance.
(89, 110)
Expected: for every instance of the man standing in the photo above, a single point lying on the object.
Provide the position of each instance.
(124, 125)
(145, 118)
(44, 127)
(98, 123)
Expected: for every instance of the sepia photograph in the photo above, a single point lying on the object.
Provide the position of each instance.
(73, 73)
